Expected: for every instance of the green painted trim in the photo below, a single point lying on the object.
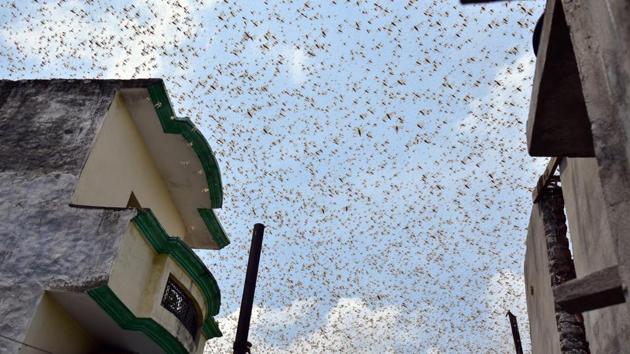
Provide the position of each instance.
(177, 249)
(184, 127)
(111, 304)
(213, 224)
(211, 329)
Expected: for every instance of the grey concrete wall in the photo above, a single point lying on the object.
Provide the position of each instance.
(540, 304)
(594, 248)
(600, 33)
(47, 129)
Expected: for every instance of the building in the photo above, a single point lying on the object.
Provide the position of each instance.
(103, 195)
(580, 116)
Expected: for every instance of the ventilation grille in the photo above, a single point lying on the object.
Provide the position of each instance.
(177, 301)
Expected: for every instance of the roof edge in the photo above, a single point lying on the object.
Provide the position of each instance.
(214, 226)
(184, 127)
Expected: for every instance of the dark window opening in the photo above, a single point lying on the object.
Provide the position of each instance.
(179, 303)
(133, 202)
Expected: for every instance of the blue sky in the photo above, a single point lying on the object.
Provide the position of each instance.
(382, 143)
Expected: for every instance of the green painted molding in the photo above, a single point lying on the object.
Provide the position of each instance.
(184, 127)
(213, 224)
(111, 304)
(211, 329)
(183, 255)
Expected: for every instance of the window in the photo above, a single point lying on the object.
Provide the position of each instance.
(179, 303)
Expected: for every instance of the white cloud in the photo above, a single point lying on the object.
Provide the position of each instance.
(298, 59)
(495, 110)
(119, 43)
(350, 326)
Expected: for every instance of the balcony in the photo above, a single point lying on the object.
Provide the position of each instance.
(159, 297)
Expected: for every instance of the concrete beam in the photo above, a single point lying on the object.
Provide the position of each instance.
(591, 292)
(558, 123)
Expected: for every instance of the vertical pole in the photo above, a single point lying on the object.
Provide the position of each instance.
(241, 345)
(561, 269)
(515, 334)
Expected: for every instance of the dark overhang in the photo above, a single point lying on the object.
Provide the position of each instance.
(558, 123)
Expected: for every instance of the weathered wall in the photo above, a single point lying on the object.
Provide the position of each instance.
(47, 244)
(47, 129)
(586, 216)
(600, 33)
(540, 304)
(594, 248)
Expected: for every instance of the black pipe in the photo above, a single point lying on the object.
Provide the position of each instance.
(241, 345)
(515, 334)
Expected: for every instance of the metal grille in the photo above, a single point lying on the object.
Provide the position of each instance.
(179, 304)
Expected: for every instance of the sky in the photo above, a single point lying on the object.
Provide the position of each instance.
(382, 143)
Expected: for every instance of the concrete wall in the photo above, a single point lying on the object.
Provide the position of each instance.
(607, 329)
(47, 129)
(53, 330)
(119, 164)
(600, 33)
(540, 304)
(140, 265)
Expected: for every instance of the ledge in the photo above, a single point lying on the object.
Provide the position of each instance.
(593, 291)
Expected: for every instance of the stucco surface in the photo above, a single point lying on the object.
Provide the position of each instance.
(49, 245)
(47, 129)
(594, 249)
(50, 125)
